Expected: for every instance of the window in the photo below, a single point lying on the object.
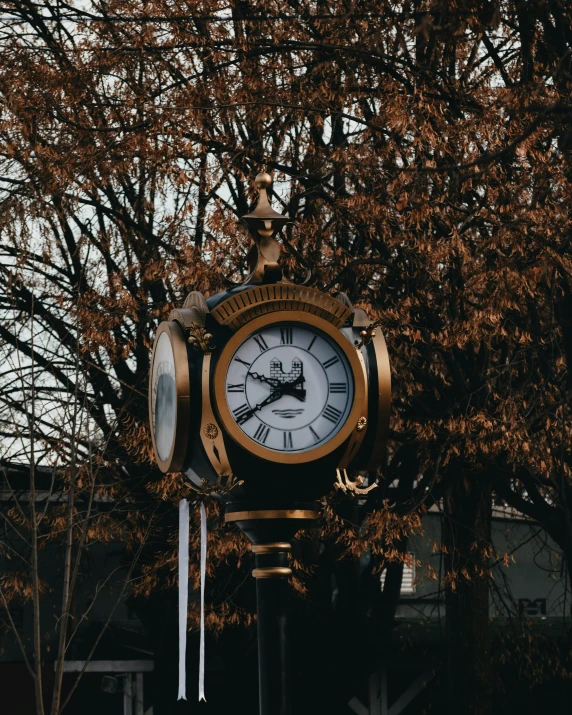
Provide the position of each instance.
(532, 607)
(408, 579)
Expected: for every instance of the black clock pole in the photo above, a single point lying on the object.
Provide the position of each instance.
(273, 654)
(270, 528)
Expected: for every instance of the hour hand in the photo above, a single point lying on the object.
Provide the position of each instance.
(284, 388)
(289, 388)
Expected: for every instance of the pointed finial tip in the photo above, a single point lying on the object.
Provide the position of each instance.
(263, 180)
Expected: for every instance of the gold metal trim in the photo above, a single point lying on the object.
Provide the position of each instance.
(239, 309)
(360, 429)
(277, 547)
(270, 514)
(211, 435)
(272, 572)
(384, 400)
(360, 391)
(174, 461)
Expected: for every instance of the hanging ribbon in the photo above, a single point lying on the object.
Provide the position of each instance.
(183, 593)
(203, 576)
(184, 597)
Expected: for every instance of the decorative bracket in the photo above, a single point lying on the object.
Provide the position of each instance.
(367, 335)
(351, 487)
(219, 488)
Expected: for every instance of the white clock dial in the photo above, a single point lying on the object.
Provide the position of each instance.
(163, 397)
(289, 387)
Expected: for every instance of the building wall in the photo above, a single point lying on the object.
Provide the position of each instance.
(533, 583)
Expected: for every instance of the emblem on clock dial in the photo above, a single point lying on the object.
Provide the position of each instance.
(288, 386)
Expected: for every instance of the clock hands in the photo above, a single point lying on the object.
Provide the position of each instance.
(289, 388)
(279, 389)
(270, 380)
(284, 388)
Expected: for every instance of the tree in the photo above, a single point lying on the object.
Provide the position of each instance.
(424, 150)
(56, 517)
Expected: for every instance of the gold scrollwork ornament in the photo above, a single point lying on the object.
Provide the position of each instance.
(224, 484)
(352, 487)
(199, 339)
(367, 335)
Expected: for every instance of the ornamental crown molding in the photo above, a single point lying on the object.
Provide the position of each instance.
(241, 307)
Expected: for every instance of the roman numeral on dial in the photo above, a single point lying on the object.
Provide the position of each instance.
(332, 414)
(242, 413)
(331, 361)
(338, 387)
(236, 388)
(315, 434)
(259, 340)
(262, 432)
(288, 444)
(286, 335)
(248, 364)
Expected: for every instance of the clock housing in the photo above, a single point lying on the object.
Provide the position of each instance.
(250, 462)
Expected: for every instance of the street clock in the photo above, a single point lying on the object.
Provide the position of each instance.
(266, 396)
(268, 391)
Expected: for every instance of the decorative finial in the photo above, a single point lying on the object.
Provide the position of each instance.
(263, 180)
(264, 224)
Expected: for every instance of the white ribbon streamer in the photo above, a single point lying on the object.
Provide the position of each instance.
(203, 576)
(183, 593)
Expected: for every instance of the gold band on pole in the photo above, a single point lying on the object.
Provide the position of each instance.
(270, 514)
(272, 572)
(274, 548)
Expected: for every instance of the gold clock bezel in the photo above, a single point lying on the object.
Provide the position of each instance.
(174, 461)
(383, 400)
(225, 415)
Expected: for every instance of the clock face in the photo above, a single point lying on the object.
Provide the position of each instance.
(289, 387)
(163, 397)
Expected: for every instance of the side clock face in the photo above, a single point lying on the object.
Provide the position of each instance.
(163, 397)
(289, 387)
(169, 395)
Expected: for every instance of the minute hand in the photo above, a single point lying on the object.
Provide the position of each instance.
(247, 415)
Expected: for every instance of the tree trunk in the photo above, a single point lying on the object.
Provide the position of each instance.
(467, 538)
